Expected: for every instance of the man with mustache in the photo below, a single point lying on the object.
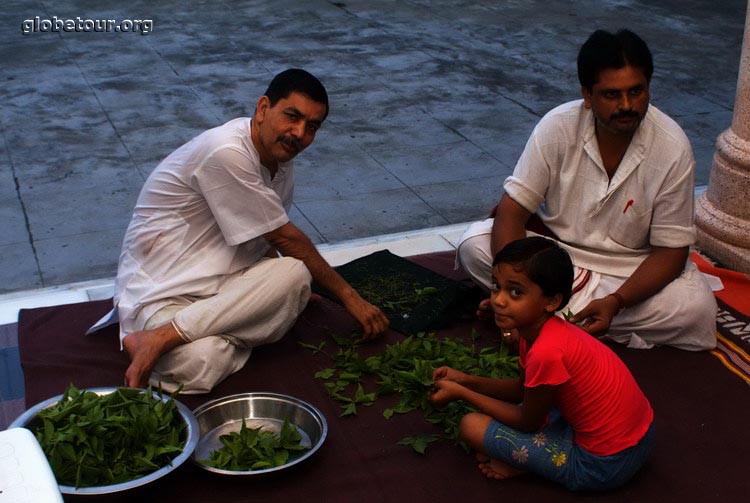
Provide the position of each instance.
(201, 281)
(611, 178)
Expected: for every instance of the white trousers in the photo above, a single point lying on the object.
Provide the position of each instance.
(255, 307)
(682, 314)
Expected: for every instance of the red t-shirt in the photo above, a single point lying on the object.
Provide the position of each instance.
(596, 393)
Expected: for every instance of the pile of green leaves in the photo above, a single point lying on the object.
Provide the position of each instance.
(396, 295)
(406, 369)
(256, 448)
(94, 440)
(413, 297)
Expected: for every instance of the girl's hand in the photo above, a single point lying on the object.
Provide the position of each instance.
(446, 391)
(447, 374)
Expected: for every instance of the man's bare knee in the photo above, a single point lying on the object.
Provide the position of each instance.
(475, 260)
(470, 250)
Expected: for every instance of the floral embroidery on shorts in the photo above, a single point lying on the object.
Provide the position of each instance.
(559, 459)
(525, 448)
(521, 455)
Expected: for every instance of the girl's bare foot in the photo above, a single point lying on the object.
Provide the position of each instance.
(495, 469)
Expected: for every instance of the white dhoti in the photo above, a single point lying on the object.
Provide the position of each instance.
(256, 307)
(681, 315)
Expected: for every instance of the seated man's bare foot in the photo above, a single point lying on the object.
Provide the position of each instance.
(484, 310)
(144, 349)
(494, 469)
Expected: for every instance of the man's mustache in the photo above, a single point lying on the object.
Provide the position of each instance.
(627, 114)
(290, 140)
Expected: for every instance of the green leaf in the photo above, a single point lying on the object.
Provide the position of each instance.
(315, 349)
(349, 409)
(418, 443)
(403, 408)
(325, 373)
(359, 395)
(351, 376)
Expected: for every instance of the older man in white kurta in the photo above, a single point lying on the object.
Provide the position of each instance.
(200, 281)
(197, 230)
(609, 226)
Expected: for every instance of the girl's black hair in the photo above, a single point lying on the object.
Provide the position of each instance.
(544, 262)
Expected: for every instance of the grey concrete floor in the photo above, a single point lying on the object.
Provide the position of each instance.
(431, 104)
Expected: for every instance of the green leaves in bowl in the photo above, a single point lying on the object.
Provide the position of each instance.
(256, 449)
(93, 439)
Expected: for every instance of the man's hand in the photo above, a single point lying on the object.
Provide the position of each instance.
(657, 270)
(372, 319)
(597, 316)
(292, 242)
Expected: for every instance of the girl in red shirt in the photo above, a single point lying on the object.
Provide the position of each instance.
(575, 415)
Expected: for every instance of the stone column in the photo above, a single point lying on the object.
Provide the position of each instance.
(722, 213)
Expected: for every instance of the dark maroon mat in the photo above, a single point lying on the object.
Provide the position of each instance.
(702, 411)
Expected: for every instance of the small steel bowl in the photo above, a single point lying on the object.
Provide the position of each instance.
(259, 410)
(27, 418)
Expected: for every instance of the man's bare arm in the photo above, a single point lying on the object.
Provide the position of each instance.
(292, 242)
(510, 223)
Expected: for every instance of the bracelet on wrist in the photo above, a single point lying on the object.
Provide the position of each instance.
(620, 301)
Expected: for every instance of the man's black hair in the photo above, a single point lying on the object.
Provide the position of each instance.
(296, 80)
(605, 50)
(544, 262)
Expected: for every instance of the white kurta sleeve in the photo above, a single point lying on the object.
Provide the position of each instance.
(531, 177)
(234, 188)
(672, 223)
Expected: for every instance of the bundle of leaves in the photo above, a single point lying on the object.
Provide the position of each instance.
(94, 440)
(397, 295)
(413, 297)
(406, 369)
(256, 448)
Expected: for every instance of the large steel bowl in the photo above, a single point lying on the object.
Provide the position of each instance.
(27, 418)
(259, 410)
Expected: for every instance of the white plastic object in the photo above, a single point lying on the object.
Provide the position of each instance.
(25, 474)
